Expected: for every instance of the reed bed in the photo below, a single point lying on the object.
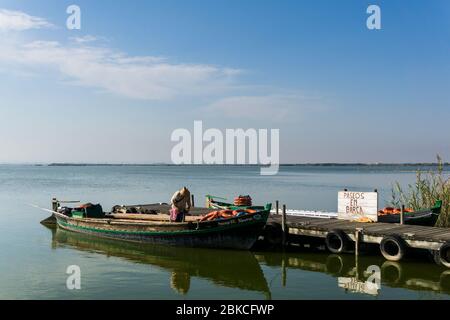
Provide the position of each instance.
(430, 185)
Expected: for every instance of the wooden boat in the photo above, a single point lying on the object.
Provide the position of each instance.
(426, 217)
(239, 232)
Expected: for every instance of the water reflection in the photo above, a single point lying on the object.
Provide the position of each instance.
(234, 269)
(363, 274)
(242, 270)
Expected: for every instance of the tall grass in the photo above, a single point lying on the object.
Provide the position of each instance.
(430, 186)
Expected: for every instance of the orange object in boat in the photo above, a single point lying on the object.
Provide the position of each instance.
(243, 201)
(218, 214)
(209, 216)
(225, 214)
(250, 211)
(390, 210)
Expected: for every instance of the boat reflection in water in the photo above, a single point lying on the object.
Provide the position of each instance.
(242, 270)
(233, 269)
(368, 275)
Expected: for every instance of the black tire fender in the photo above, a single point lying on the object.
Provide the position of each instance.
(393, 247)
(337, 241)
(434, 256)
(273, 234)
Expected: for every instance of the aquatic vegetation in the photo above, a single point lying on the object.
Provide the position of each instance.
(430, 185)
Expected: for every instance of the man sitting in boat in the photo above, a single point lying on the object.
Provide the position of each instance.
(181, 203)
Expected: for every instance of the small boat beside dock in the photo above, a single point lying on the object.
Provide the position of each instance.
(424, 217)
(239, 231)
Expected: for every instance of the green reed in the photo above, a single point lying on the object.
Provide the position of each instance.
(430, 186)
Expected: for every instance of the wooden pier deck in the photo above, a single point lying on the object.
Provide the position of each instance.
(350, 234)
(419, 237)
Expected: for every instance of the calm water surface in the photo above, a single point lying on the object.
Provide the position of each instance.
(34, 258)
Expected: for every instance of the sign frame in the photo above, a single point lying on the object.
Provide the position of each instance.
(353, 205)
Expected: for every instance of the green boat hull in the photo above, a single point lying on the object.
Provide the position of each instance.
(234, 233)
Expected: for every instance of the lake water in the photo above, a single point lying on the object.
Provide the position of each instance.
(34, 258)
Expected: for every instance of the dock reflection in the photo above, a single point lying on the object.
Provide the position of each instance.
(361, 275)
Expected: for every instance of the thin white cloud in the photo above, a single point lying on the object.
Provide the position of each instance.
(85, 39)
(138, 77)
(19, 21)
(269, 106)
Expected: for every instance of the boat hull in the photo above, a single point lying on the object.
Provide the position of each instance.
(420, 219)
(235, 233)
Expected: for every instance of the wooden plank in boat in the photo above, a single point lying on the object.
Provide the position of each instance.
(148, 217)
(164, 208)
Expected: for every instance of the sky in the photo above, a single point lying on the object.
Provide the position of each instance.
(115, 90)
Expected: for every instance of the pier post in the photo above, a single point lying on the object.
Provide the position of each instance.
(277, 207)
(402, 215)
(283, 225)
(283, 271)
(357, 240)
(192, 201)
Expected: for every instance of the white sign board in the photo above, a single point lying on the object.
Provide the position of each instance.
(354, 205)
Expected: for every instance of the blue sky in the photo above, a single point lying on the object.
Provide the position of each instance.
(116, 89)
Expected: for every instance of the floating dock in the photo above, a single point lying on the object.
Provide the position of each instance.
(342, 235)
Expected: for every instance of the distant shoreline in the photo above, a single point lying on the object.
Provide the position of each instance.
(241, 165)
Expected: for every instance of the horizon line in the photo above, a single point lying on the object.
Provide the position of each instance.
(52, 164)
